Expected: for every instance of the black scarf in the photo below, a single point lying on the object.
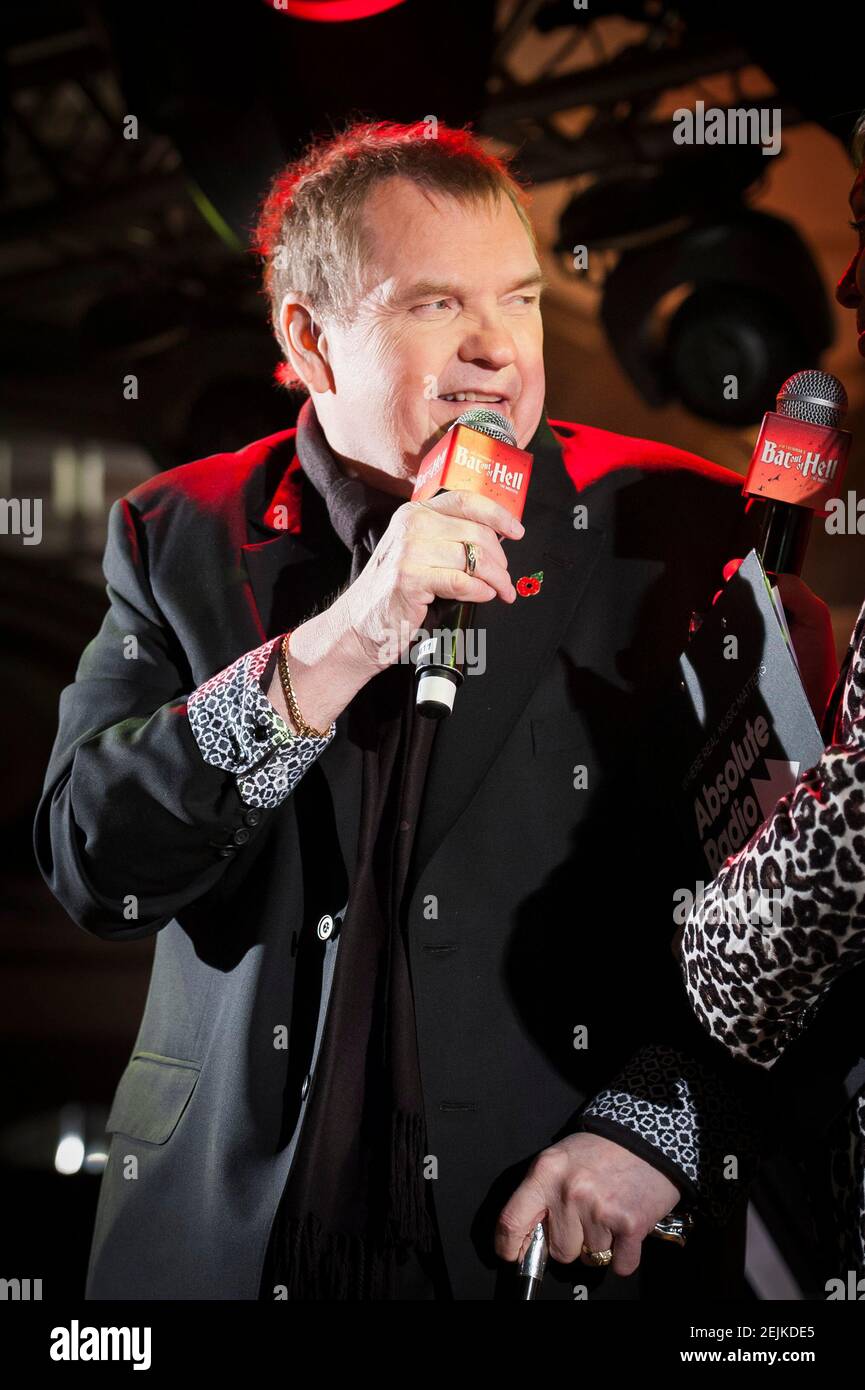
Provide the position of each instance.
(356, 1198)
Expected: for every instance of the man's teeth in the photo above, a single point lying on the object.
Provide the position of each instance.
(471, 396)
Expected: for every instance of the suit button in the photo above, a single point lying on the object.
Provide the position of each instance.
(252, 817)
(225, 852)
(305, 1087)
(325, 927)
(240, 836)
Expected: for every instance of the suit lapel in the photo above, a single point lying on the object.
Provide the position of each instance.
(290, 556)
(520, 639)
(292, 572)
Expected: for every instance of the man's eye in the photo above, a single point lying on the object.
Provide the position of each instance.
(434, 304)
(521, 301)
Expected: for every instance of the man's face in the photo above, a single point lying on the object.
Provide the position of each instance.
(850, 290)
(451, 305)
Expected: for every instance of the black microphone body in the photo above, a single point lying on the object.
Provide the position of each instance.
(440, 658)
(797, 464)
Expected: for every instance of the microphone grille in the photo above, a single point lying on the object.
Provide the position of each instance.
(816, 397)
(491, 422)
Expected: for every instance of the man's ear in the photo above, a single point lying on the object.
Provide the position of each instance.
(305, 345)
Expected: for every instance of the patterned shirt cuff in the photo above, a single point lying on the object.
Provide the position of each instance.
(237, 729)
(691, 1117)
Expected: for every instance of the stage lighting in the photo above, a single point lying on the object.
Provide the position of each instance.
(748, 305)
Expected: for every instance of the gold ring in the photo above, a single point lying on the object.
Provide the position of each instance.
(471, 557)
(598, 1257)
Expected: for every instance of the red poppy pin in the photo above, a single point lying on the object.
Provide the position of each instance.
(529, 584)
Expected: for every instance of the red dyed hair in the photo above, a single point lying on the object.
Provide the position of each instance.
(310, 230)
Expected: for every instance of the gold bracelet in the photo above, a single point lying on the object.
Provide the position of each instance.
(285, 677)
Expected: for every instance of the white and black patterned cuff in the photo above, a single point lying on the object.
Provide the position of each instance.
(692, 1119)
(237, 728)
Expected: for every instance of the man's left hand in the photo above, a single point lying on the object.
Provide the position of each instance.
(594, 1193)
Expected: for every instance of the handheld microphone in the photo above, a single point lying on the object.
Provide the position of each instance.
(797, 466)
(532, 1265)
(479, 453)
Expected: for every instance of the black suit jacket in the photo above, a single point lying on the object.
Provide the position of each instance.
(533, 907)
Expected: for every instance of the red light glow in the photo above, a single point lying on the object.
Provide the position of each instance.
(333, 11)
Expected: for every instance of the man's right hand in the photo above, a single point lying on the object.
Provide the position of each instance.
(419, 558)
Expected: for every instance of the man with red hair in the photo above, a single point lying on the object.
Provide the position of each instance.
(412, 989)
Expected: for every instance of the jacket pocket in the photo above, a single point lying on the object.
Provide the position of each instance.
(152, 1094)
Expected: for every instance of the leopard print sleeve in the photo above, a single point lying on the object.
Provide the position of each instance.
(756, 977)
(237, 728)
